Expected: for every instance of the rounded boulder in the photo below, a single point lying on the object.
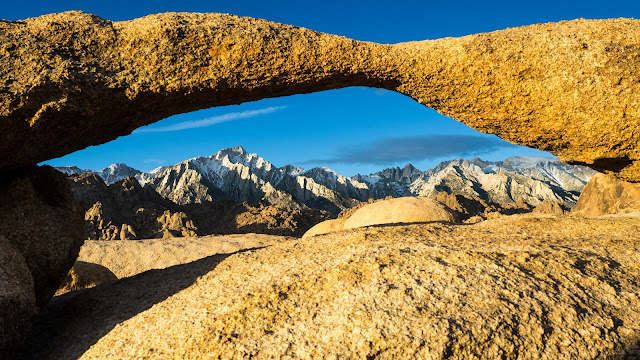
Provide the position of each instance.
(400, 210)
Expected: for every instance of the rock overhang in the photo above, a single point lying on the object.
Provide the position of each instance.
(71, 80)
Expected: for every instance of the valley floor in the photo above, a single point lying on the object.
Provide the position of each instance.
(522, 286)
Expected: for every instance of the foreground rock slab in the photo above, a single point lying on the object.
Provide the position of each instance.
(71, 80)
(132, 257)
(513, 287)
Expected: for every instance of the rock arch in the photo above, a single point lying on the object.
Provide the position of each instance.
(71, 80)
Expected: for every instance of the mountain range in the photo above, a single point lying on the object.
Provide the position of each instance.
(235, 174)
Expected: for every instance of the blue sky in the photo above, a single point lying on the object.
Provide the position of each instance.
(354, 130)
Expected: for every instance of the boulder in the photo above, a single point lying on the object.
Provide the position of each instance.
(17, 299)
(40, 236)
(399, 210)
(551, 208)
(85, 275)
(175, 225)
(71, 80)
(43, 223)
(326, 227)
(606, 194)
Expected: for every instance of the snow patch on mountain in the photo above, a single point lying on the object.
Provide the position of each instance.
(236, 174)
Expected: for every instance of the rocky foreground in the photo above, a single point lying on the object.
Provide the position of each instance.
(523, 286)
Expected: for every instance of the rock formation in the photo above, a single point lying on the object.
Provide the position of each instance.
(387, 211)
(399, 210)
(17, 300)
(326, 227)
(71, 80)
(516, 287)
(551, 208)
(40, 236)
(129, 258)
(461, 208)
(605, 194)
(85, 275)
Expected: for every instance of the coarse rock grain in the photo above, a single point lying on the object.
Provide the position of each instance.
(522, 286)
(40, 236)
(43, 223)
(71, 80)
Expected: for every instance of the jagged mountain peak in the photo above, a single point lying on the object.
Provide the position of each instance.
(233, 173)
(524, 162)
(233, 151)
(409, 167)
(292, 170)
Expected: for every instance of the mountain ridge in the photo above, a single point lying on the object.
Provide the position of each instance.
(235, 174)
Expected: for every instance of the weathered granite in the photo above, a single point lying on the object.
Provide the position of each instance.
(40, 237)
(606, 195)
(71, 80)
(17, 299)
(516, 287)
(40, 219)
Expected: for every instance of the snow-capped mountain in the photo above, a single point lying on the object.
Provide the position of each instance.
(72, 170)
(532, 179)
(235, 174)
(111, 174)
(238, 175)
(117, 172)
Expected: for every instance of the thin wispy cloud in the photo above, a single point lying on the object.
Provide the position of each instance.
(381, 92)
(154, 161)
(194, 124)
(415, 148)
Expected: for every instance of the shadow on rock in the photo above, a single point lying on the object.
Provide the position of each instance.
(63, 322)
(631, 351)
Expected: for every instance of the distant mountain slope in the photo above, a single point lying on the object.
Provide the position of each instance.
(126, 210)
(531, 179)
(110, 174)
(235, 174)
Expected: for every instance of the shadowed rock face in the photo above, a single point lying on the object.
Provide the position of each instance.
(71, 80)
(40, 237)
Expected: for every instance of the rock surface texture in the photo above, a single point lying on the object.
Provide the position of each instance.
(71, 80)
(517, 287)
(41, 220)
(605, 195)
(128, 258)
(40, 236)
(17, 299)
(85, 275)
